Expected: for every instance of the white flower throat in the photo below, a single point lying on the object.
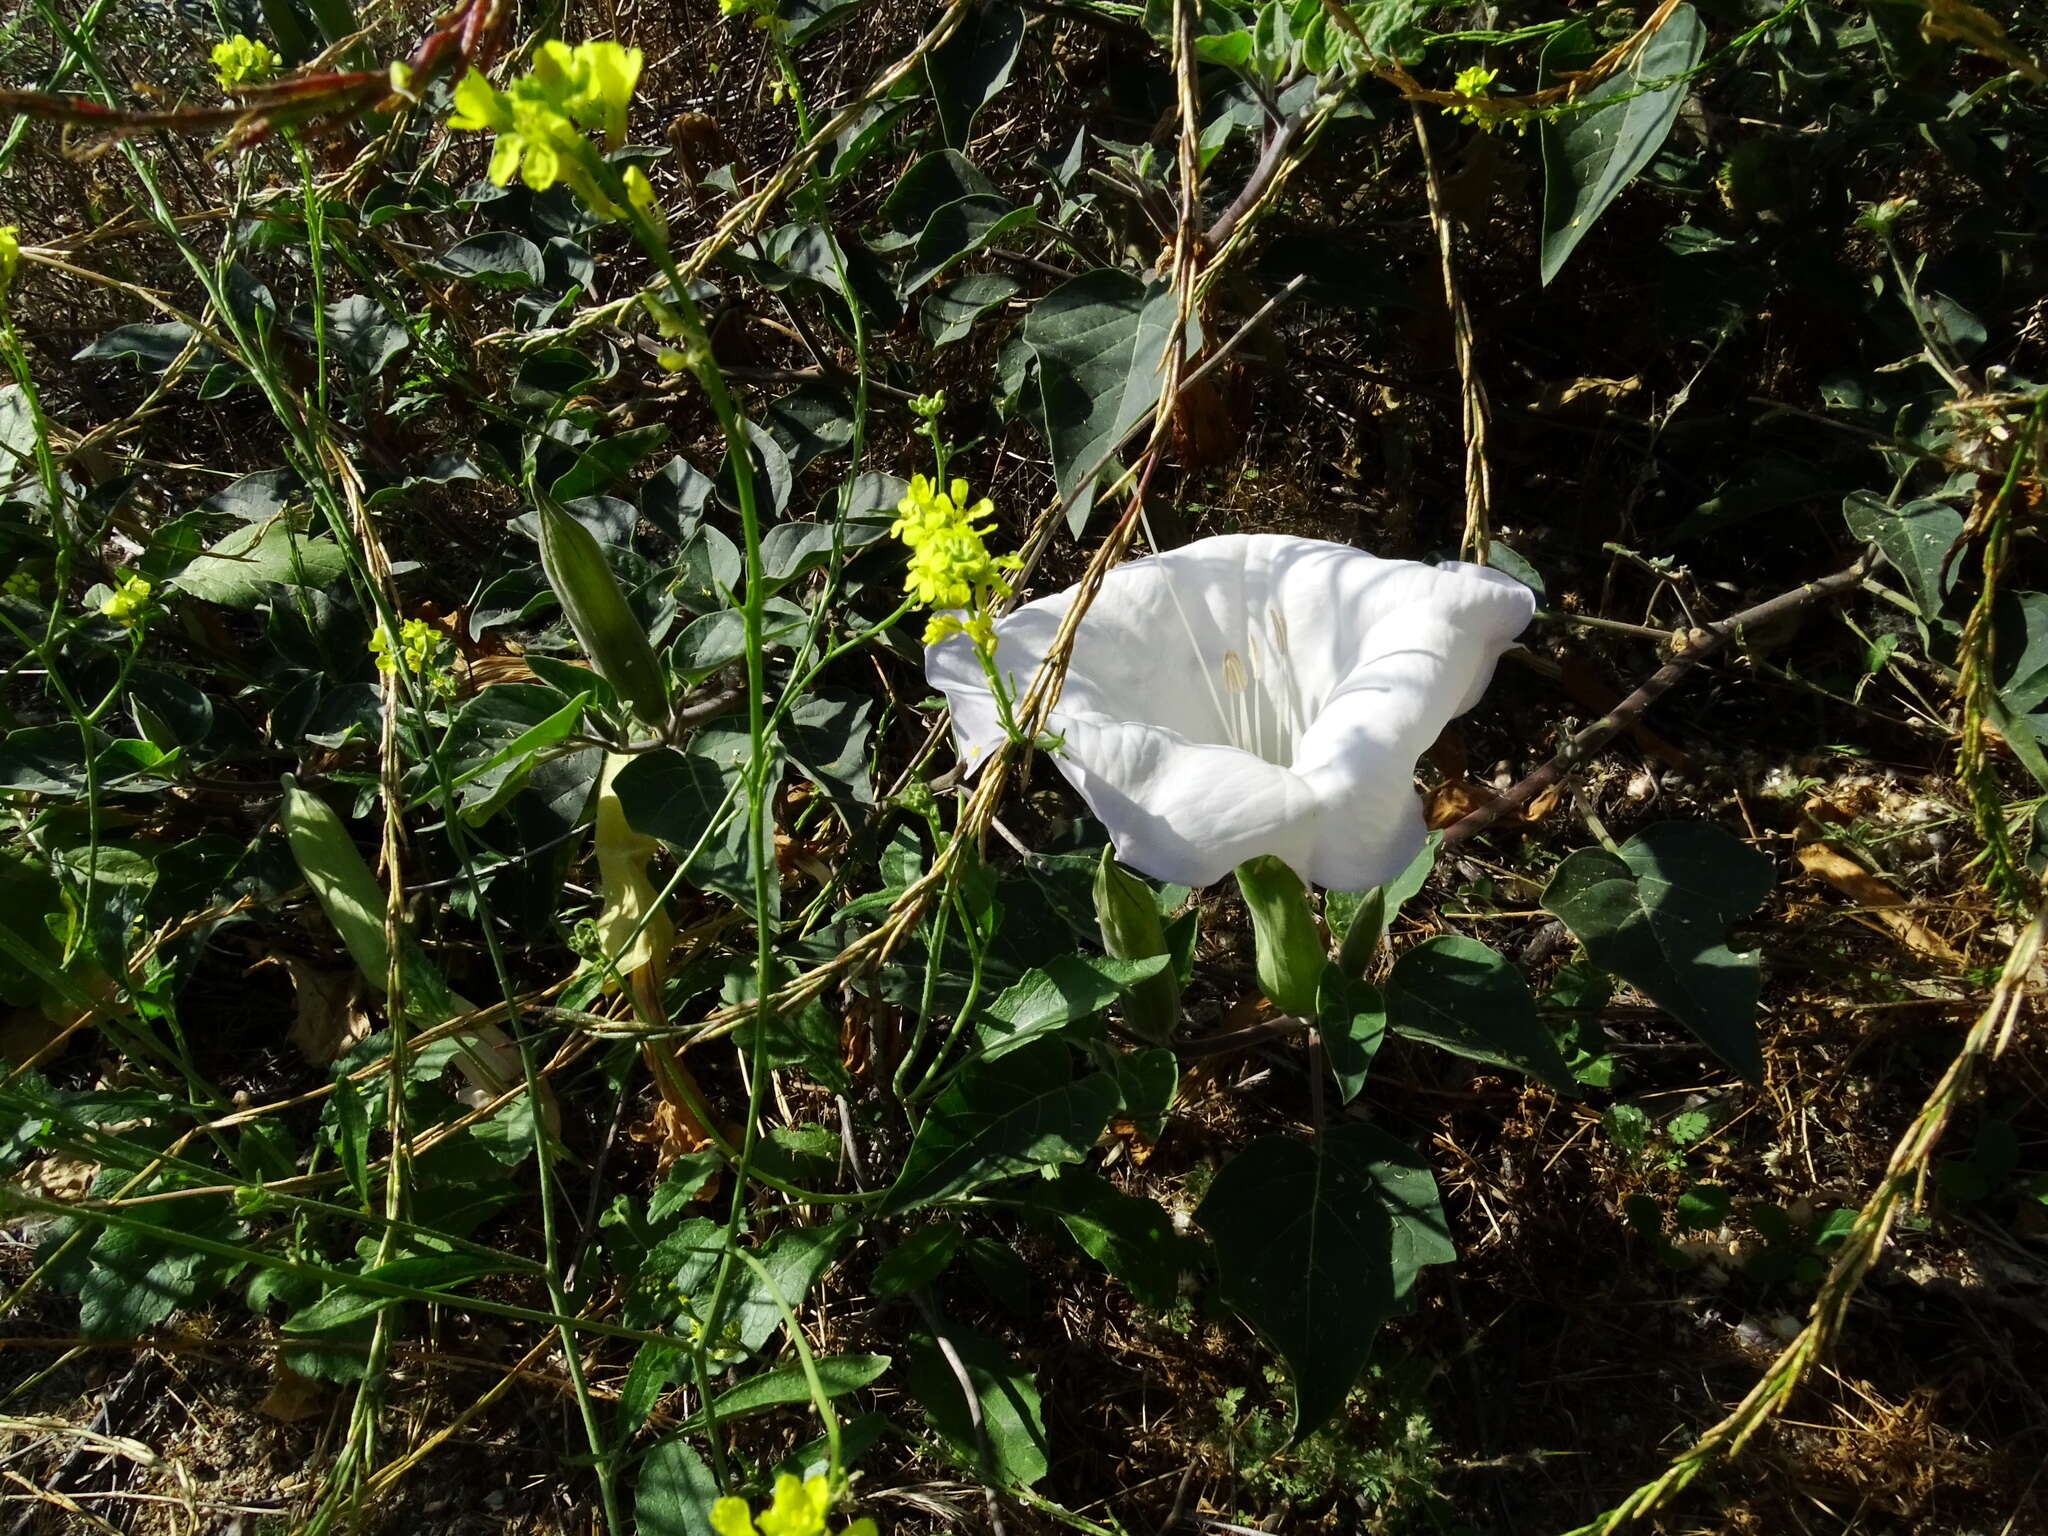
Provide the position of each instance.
(1261, 705)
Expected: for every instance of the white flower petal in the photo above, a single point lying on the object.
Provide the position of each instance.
(1253, 694)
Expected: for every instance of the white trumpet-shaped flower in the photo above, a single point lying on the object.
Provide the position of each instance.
(1253, 694)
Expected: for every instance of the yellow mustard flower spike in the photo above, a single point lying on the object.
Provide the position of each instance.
(239, 59)
(10, 255)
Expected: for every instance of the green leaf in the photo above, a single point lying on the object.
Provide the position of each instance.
(675, 1493)
(827, 736)
(1352, 1016)
(791, 550)
(1233, 50)
(793, 1259)
(46, 759)
(1456, 993)
(692, 798)
(1703, 1207)
(941, 177)
(1594, 149)
(237, 571)
(1001, 1118)
(916, 1261)
(1064, 990)
(956, 232)
(1008, 1398)
(949, 312)
(1128, 1235)
(492, 715)
(352, 1135)
(361, 332)
(2020, 647)
(1318, 1245)
(837, 1374)
(154, 345)
(1099, 340)
(653, 1366)
(608, 460)
(1146, 1082)
(500, 259)
(136, 1280)
(1629, 1126)
(421, 1271)
(1916, 540)
(1658, 916)
(973, 64)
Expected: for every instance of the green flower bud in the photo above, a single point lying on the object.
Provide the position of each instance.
(1127, 913)
(1290, 950)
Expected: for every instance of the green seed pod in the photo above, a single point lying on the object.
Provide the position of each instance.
(341, 879)
(1127, 913)
(597, 612)
(1290, 950)
(347, 890)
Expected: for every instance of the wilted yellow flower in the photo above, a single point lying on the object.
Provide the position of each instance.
(238, 60)
(10, 254)
(124, 605)
(799, 1510)
(544, 118)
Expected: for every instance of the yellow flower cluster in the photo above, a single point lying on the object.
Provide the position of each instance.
(1476, 84)
(10, 254)
(799, 1510)
(238, 60)
(950, 566)
(544, 119)
(419, 646)
(124, 605)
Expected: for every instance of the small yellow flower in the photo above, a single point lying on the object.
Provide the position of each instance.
(543, 120)
(419, 651)
(10, 255)
(125, 604)
(1476, 84)
(799, 1509)
(238, 60)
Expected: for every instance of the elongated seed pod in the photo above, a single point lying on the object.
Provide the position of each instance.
(342, 880)
(347, 890)
(597, 612)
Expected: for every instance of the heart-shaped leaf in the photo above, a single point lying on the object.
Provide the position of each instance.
(1318, 1245)
(1609, 133)
(1658, 918)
